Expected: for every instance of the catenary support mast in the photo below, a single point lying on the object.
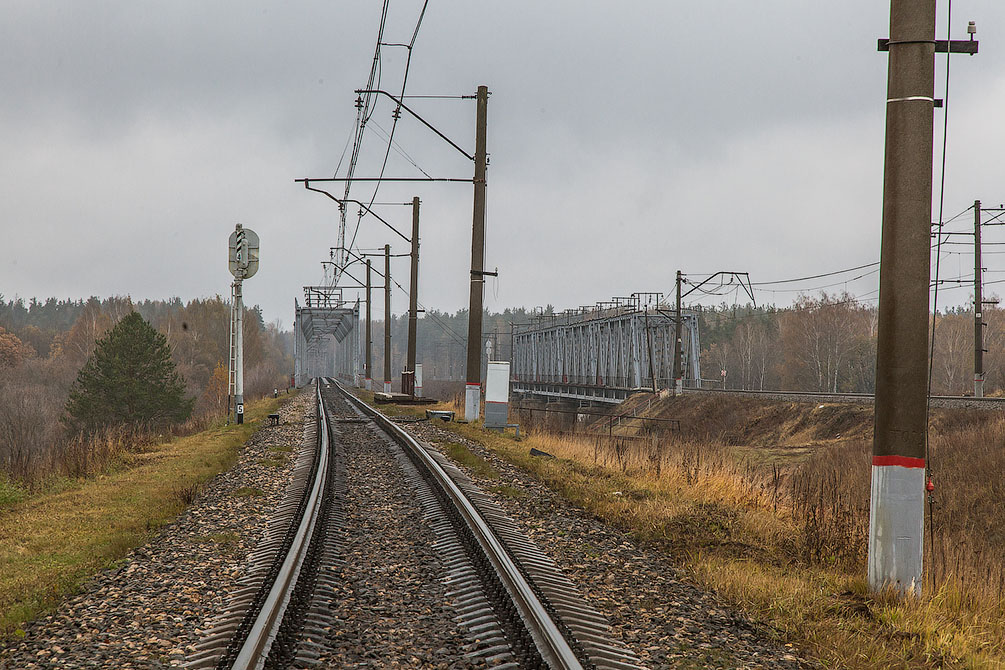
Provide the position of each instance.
(978, 306)
(472, 392)
(387, 318)
(368, 363)
(413, 288)
(896, 519)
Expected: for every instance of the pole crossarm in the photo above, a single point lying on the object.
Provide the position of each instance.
(422, 120)
(739, 277)
(358, 284)
(342, 201)
(351, 179)
(941, 46)
(358, 257)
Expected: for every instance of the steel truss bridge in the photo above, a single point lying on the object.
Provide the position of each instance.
(324, 320)
(605, 352)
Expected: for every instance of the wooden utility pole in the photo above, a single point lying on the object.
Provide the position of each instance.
(413, 289)
(368, 363)
(387, 318)
(896, 520)
(472, 390)
(978, 306)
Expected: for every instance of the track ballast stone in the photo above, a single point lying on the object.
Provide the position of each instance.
(667, 621)
(390, 607)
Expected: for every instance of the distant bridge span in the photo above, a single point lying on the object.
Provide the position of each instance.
(606, 352)
(324, 320)
(602, 353)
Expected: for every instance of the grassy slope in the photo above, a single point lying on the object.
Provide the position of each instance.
(724, 531)
(51, 542)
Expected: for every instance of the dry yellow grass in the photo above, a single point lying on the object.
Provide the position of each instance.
(51, 541)
(737, 533)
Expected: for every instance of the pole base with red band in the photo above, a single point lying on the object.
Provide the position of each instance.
(896, 523)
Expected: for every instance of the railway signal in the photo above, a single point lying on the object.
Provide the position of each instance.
(242, 261)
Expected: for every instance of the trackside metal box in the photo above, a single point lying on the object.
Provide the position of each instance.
(497, 395)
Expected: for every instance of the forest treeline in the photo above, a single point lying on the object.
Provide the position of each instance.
(820, 343)
(43, 346)
(828, 343)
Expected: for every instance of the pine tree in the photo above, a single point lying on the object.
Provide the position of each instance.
(129, 379)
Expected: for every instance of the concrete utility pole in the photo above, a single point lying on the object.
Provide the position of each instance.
(896, 515)
(472, 391)
(387, 318)
(368, 363)
(978, 307)
(413, 289)
(678, 349)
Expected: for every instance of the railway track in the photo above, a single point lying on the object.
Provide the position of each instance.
(513, 604)
(959, 402)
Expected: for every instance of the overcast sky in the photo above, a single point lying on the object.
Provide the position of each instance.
(627, 140)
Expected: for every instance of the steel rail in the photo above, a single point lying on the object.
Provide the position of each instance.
(826, 394)
(552, 645)
(256, 646)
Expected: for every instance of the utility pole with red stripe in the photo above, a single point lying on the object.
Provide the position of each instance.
(896, 512)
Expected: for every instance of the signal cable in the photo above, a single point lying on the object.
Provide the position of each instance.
(935, 299)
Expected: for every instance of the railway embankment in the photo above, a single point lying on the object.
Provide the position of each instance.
(737, 545)
(121, 569)
(764, 503)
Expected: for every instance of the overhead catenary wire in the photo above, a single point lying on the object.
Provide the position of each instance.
(397, 114)
(363, 111)
(399, 150)
(818, 288)
(819, 276)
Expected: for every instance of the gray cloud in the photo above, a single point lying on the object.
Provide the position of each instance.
(627, 141)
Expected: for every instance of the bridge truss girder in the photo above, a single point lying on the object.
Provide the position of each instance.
(326, 339)
(604, 355)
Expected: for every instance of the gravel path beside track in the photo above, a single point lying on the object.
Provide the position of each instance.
(667, 621)
(147, 612)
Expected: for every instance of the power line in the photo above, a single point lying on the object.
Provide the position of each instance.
(396, 115)
(826, 274)
(818, 288)
(363, 113)
(400, 151)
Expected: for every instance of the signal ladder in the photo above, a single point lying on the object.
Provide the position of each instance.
(232, 366)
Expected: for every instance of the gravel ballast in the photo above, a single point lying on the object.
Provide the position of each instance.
(391, 608)
(666, 620)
